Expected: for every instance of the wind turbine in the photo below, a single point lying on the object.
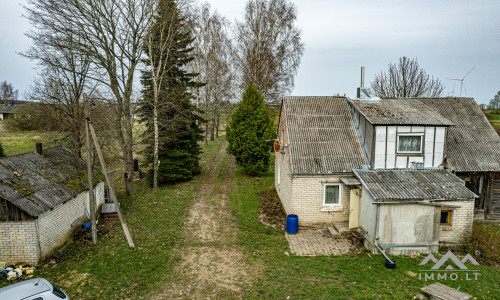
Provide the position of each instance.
(462, 87)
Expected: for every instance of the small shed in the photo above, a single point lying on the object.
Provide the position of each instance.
(410, 211)
(7, 107)
(43, 197)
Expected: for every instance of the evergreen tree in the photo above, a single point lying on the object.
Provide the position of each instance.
(249, 128)
(178, 118)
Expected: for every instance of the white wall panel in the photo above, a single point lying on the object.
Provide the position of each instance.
(428, 146)
(401, 162)
(417, 129)
(404, 128)
(391, 147)
(439, 146)
(380, 142)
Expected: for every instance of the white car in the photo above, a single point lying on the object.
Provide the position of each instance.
(33, 289)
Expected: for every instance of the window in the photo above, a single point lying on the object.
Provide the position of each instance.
(332, 194)
(445, 217)
(410, 143)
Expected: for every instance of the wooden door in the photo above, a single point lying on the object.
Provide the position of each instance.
(354, 209)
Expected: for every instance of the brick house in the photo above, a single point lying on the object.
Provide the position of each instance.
(43, 198)
(386, 165)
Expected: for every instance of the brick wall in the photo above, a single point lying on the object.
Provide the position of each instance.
(30, 241)
(55, 226)
(460, 229)
(18, 242)
(307, 200)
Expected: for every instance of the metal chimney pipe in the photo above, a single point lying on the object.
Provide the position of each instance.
(362, 76)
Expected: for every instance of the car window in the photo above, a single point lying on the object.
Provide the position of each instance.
(37, 298)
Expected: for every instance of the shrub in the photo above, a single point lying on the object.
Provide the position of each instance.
(486, 239)
(249, 128)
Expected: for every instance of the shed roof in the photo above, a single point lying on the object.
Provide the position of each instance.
(36, 183)
(400, 112)
(8, 106)
(472, 144)
(322, 137)
(405, 184)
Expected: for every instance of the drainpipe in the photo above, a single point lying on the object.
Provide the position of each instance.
(377, 222)
(376, 245)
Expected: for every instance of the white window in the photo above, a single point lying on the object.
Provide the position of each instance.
(410, 143)
(332, 193)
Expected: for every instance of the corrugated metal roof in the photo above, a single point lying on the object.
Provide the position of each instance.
(414, 185)
(321, 135)
(472, 144)
(8, 108)
(36, 183)
(400, 112)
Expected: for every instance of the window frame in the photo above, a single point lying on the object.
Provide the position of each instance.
(340, 194)
(421, 135)
(450, 212)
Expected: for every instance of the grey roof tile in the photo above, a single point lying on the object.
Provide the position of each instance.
(414, 185)
(36, 183)
(321, 134)
(400, 112)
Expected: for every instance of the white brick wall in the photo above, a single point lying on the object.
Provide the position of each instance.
(19, 242)
(461, 223)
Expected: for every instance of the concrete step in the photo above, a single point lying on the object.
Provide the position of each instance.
(341, 227)
(334, 232)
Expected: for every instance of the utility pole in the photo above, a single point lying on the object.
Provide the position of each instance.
(111, 186)
(89, 171)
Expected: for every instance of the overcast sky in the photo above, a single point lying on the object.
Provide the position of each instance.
(448, 37)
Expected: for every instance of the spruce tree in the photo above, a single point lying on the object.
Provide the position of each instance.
(249, 128)
(178, 118)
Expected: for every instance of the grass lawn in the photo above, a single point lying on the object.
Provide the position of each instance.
(17, 142)
(111, 270)
(334, 277)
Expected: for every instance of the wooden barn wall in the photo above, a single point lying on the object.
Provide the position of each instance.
(9, 212)
(487, 186)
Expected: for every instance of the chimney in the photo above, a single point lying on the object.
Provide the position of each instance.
(364, 94)
(39, 148)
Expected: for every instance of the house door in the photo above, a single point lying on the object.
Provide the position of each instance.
(354, 209)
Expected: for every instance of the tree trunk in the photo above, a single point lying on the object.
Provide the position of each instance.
(217, 124)
(155, 124)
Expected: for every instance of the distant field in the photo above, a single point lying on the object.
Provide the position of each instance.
(18, 142)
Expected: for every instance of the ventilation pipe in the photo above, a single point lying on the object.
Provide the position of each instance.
(39, 148)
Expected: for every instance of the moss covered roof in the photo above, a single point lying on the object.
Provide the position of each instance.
(36, 183)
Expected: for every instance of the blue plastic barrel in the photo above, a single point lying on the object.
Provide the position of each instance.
(292, 224)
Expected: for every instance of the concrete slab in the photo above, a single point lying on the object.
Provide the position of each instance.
(341, 227)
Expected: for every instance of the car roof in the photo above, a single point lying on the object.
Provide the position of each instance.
(25, 289)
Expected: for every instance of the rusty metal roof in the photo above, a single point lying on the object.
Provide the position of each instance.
(400, 112)
(472, 144)
(414, 185)
(36, 183)
(322, 137)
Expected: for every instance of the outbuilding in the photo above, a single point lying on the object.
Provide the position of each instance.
(43, 198)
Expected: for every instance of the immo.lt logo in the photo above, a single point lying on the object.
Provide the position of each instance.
(443, 269)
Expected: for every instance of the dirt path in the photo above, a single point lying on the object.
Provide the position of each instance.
(211, 265)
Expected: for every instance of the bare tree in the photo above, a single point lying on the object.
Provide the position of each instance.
(268, 47)
(7, 91)
(111, 33)
(213, 64)
(406, 79)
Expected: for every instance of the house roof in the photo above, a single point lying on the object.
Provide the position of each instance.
(472, 144)
(400, 112)
(407, 184)
(8, 106)
(36, 183)
(322, 137)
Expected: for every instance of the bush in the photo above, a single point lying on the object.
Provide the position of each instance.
(249, 128)
(486, 239)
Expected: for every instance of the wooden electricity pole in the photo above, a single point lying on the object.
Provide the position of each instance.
(89, 171)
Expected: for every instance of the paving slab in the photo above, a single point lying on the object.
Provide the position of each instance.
(312, 242)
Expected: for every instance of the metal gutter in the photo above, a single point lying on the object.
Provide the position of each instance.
(310, 174)
(418, 202)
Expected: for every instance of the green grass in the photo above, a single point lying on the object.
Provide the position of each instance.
(110, 269)
(17, 142)
(334, 277)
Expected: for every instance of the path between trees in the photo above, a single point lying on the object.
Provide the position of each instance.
(211, 264)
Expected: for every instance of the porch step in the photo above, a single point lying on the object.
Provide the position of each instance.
(341, 227)
(333, 231)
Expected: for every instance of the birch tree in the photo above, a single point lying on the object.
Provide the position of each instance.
(268, 47)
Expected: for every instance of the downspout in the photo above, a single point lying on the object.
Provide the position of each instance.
(375, 245)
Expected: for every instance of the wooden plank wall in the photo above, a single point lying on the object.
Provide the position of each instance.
(9, 212)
